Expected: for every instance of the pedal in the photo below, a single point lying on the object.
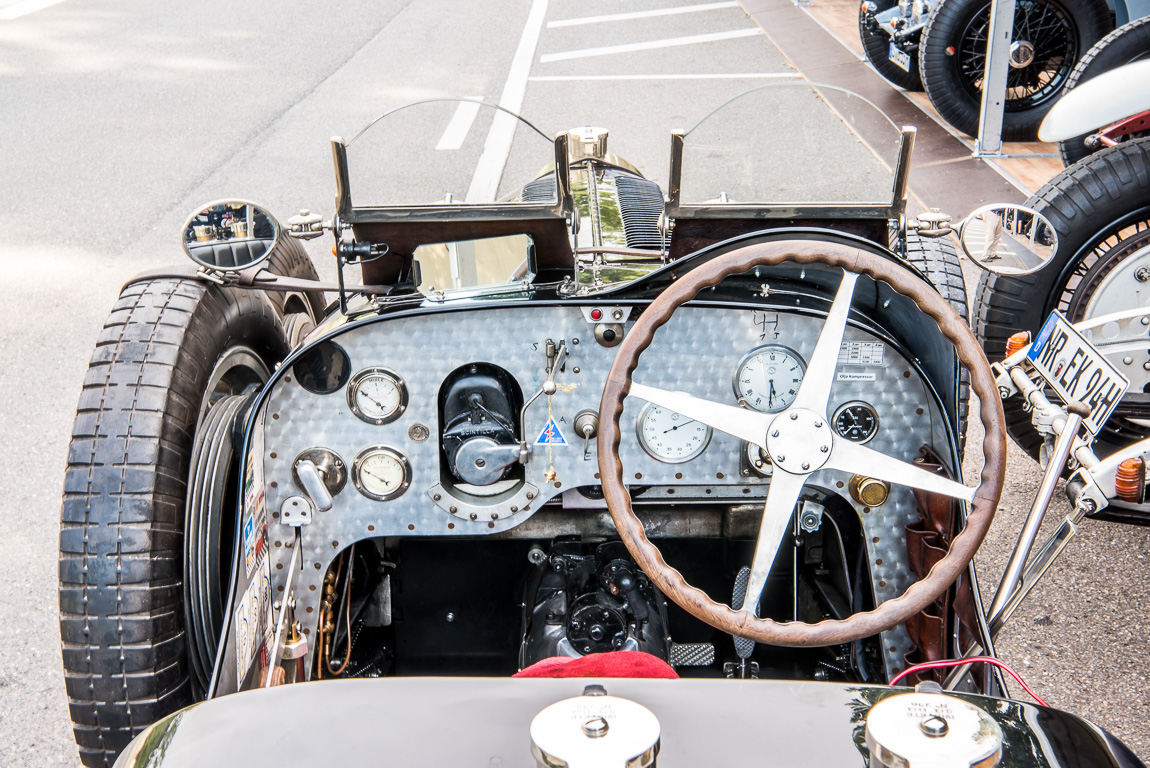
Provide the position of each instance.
(741, 670)
(743, 647)
(692, 654)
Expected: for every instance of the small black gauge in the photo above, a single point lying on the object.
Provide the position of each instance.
(856, 421)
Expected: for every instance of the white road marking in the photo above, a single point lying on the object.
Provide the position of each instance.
(640, 14)
(489, 170)
(649, 45)
(25, 8)
(457, 129)
(718, 76)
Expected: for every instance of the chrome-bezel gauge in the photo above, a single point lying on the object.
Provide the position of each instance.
(786, 360)
(649, 428)
(370, 480)
(383, 390)
(864, 418)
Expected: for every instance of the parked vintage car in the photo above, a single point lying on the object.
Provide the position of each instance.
(565, 424)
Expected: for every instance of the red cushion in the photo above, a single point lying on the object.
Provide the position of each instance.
(613, 664)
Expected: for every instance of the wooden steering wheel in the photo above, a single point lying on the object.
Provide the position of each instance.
(800, 441)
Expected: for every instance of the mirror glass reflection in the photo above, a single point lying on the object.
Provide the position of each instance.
(230, 235)
(1008, 239)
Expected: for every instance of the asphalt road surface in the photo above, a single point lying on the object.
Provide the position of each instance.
(117, 119)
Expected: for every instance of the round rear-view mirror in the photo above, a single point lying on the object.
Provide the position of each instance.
(1008, 239)
(230, 235)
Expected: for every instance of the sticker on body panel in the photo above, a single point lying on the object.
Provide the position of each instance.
(253, 619)
(551, 435)
(255, 520)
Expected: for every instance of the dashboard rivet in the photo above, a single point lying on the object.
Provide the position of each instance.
(453, 510)
(575, 369)
(530, 495)
(824, 448)
(575, 340)
(514, 509)
(775, 433)
(818, 424)
(780, 458)
(437, 497)
(794, 415)
(806, 465)
(473, 515)
(494, 515)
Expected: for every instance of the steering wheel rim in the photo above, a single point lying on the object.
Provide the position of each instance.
(854, 261)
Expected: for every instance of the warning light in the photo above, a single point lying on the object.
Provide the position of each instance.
(1131, 480)
(596, 314)
(1016, 342)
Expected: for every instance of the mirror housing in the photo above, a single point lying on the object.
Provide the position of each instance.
(1008, 239)
(230, 236)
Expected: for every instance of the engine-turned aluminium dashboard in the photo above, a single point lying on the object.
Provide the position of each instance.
(438, 424)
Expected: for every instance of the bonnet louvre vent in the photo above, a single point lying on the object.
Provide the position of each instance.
(640, 205)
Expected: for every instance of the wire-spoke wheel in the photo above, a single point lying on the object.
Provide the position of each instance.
(1047, 39)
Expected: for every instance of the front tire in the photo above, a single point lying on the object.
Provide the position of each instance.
(1100, 208)
(937, 258)
(169, 351)
(1128, 43)
(952, 55)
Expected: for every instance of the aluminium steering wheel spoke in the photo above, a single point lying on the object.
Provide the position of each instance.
(858, 459)
(778, 510)
(815, 391)
(741, 423)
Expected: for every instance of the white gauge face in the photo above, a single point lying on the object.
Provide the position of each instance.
(376, 395)
(381, 473)
(669, 436)
(769, 377)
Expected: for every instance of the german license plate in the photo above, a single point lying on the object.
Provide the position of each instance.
(899, 57)
(1076, 370)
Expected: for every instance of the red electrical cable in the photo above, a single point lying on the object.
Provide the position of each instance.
(970, 660)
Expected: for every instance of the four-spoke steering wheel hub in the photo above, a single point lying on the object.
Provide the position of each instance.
(799, 441)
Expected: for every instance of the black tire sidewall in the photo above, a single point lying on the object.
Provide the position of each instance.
(1130, 42)
(942, 79)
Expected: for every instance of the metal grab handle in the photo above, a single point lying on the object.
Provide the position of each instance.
(311, 479)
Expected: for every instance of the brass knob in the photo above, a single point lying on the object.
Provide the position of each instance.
(869, 491)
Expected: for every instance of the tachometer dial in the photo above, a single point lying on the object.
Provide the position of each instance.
(381, 473)
(856, 421)
(669, 436)
(768, 378)
(377, 395)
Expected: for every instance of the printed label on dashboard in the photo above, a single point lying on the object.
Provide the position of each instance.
(862, 353)
(856, 376)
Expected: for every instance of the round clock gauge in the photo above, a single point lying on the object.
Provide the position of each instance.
(768, 378)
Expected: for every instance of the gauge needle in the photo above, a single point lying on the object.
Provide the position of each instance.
(372, 399)
(383, 480)
(771, 394)
(685, 423)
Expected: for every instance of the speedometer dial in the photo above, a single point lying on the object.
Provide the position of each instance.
(669, 436)
(377, 395)
(768, 378)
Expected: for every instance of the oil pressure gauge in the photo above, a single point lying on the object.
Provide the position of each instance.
(671, 437)
(377, 395)
(381, 473)
(856, 421)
